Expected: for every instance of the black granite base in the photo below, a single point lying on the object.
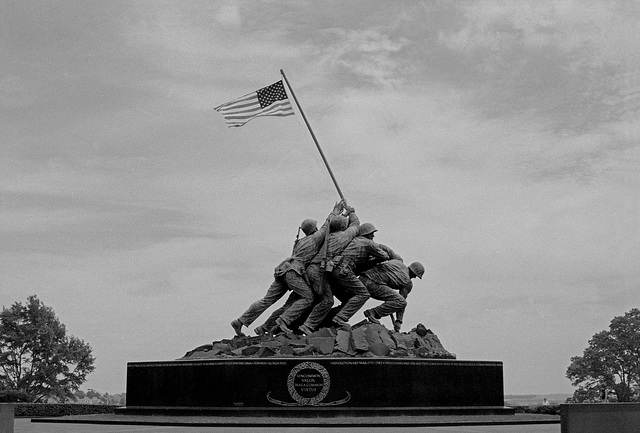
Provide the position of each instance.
(315, 386)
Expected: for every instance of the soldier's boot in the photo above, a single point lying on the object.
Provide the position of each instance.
(305, 330)
(371, 316)
(260, 330)
(341, 323)
(237, 327)
(283, 325)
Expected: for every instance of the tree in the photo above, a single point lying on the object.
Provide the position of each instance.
(92, 393)
(611, 363)
(36, 355)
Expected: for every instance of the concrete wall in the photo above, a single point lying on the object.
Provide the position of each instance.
(600, 418)
(6, 417)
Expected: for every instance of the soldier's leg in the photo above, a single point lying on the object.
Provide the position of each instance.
(276, 291)
(327, 322)
(339, 292)
(301, 298)
(320, 310)
(271, 321)
(341, 295)
(393, 301)
(359, 295)
(303, 317)
(324, 297)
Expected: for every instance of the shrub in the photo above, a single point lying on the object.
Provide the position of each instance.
(14, 396)
(552, 409)
(36, 410)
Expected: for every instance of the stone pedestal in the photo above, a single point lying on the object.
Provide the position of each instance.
(315, 386)
(600, 418)
(7, 411)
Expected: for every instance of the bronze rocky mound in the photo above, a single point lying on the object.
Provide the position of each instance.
(362, 340)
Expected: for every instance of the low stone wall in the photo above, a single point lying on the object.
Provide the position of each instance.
(6, 417)
(39, 410)
(600, 418)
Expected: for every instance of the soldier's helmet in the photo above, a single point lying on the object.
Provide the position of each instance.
(365, 229)
(417, 268)
(338, 223)
(309, 226)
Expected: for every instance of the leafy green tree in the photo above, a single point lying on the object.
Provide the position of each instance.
(13, 396)
(92, 393)
(36, 355)
(611, 363)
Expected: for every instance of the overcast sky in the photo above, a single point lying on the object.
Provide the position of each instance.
(497, 142)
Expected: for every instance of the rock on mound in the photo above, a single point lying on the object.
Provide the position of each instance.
(363, 340)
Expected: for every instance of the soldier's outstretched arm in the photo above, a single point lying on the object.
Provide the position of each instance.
(337, 209)
(353, 218)
(392, 254)
(378, 253)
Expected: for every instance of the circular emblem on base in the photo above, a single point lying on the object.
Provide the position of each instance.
(308, 383)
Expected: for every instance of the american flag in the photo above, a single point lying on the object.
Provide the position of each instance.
(268, 101)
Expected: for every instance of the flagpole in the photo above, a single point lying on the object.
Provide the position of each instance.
(326, 163)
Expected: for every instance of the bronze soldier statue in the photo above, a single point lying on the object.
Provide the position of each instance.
(290, 275)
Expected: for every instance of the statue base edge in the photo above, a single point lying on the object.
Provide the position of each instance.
(315, 387)
(314, 412)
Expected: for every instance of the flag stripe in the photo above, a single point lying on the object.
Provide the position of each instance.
(239, 118)
(246, 97)
(282, 106)
(253, 104)
(239, 111)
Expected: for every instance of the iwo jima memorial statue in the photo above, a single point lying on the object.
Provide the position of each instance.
(306, 360)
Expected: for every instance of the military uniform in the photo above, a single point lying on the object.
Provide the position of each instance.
(290, 275)
(388, 282)
(360, 251)
(336, 243)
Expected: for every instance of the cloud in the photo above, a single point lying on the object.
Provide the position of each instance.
(555, 61)
(495, 143)
(500, 26)
(76, 225)
(366, 54)
(229, 13)
(15, 92)
(189, 44)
